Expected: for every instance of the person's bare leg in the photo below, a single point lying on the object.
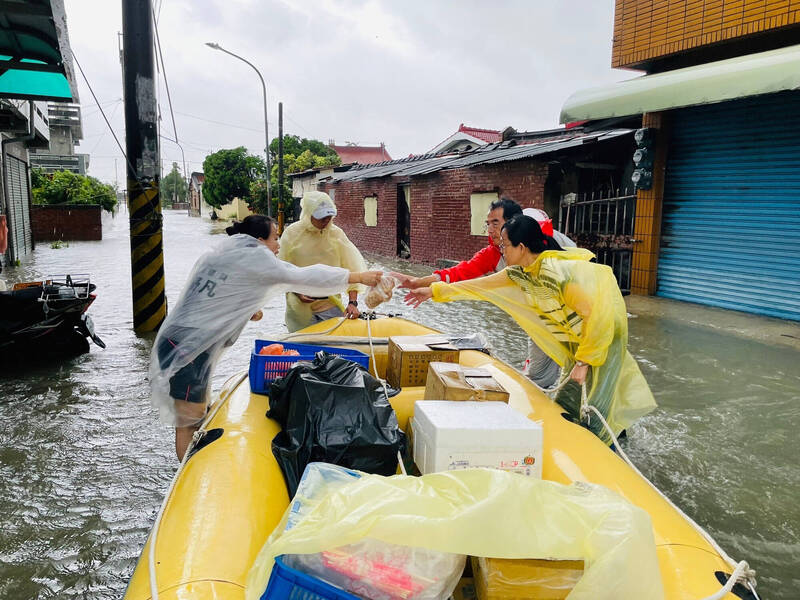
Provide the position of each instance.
(183, 437)
(191, 413)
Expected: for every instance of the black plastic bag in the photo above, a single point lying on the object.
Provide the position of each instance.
(332, 410)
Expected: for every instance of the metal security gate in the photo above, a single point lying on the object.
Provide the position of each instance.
(731, 217)
(20, 239)
(602, 223)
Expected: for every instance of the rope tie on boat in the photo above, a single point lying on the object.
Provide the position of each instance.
(742, 572)
(383, 383)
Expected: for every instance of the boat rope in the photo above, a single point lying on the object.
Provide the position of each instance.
(383, 383)
(300, 334)
(742, 573)
(151, 555)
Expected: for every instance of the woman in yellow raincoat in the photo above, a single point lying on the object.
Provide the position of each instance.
(314, 239)
(573, 310)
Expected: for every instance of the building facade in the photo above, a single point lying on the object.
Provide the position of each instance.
(23, 125)
(66, 132)
(720, 222)
(433, 208)
(196, 194)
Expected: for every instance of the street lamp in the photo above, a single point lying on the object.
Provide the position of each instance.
(216, 46)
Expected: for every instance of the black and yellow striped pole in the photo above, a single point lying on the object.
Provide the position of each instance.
(141, 146)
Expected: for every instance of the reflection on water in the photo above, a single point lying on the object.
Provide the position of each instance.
(84, 463)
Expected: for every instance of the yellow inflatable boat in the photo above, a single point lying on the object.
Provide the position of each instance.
(230, 493)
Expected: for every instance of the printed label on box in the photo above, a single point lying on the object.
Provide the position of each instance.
(523, 464)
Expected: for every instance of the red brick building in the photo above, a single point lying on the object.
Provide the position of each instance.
(433, 207)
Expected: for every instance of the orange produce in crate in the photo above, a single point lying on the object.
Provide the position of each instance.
(272, 350)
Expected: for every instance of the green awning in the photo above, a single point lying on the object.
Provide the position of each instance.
(751, 75)
(34, 51)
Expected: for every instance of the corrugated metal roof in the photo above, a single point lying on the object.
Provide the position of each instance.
(491, 154)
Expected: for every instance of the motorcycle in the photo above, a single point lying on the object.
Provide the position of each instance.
(47, 317)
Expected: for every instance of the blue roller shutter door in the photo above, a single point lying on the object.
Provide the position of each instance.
(731, 217)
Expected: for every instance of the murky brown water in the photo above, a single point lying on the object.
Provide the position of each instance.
(84, 462)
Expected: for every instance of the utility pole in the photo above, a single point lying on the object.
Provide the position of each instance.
(143, 178)
(281, 216)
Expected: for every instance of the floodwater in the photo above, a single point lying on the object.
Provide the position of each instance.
(84, 462)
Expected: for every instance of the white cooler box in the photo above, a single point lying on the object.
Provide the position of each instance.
(466, 435)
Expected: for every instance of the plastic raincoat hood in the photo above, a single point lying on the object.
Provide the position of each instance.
(302, 244)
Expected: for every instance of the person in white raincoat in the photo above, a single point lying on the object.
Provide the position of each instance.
(228, 285)
(315, 239)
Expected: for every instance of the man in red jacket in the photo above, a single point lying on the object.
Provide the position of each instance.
(539, 368)
(486, 260)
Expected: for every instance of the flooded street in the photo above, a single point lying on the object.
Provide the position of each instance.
(85, 462)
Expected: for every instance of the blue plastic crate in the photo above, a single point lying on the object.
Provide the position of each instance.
(286, 583)
(264, 369)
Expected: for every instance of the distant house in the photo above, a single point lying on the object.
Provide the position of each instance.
(433, 207)
(362, 155)
(196, 194)
(467, 138)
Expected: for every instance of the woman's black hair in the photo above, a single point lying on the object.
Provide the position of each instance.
(510, 208)
(525, 230)
(257, 226)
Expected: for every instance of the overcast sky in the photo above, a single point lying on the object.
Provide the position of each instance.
(403, 73)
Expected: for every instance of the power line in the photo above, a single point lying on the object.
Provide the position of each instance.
(218, 122)
(104, 133)
(102, 112)
(164, 71)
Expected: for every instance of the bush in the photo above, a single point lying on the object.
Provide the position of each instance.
(66, 187)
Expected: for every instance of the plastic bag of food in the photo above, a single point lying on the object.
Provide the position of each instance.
(378, 294)
(482, 512)
(369, 568)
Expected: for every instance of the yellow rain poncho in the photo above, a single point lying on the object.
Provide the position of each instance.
(302, 244)
(573, 310)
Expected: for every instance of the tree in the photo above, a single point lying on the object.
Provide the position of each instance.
(299, 154)
(173, 187)
(229, 174)
(66, 187)
(295, 145)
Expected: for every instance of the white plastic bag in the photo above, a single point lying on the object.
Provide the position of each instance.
(378, 294)
(369, 568)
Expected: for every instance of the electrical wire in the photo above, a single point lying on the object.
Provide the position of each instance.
(164, 72)
(114, 112)
(102, 112)
(219, 122)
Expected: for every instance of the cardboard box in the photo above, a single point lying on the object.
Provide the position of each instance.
(465, 435)
(449, 381)
(409, 357)
(525, 579)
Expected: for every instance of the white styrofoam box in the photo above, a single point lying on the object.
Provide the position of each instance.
(465, 435)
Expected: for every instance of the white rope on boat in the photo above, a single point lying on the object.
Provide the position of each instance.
(291, 336)
(151, 555)
(741, 570)
(383, 383)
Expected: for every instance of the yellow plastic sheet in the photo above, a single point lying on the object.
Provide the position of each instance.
(573, 310)
(482, 512)
(302, 244)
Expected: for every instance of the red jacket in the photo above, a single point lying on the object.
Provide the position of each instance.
(484, 262)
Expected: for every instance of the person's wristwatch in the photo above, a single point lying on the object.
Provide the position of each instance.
(580, 363)
(354, 303)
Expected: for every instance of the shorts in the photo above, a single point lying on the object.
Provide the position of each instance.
(333, 312)
(190, 383)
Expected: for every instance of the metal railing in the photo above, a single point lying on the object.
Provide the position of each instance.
(604, 224)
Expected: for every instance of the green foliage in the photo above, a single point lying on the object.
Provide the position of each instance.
(173, 187)
(66, 187)
(295, 145)
(229, 174)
